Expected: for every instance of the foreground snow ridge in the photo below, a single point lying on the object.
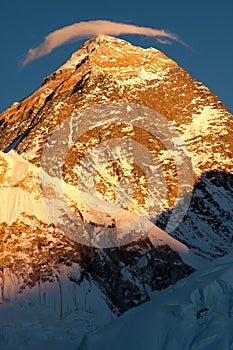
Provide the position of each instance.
(19, 189)
(195, 314)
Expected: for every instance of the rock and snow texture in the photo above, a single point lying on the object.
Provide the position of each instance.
(20, 195)
(33, 252)
(107, 69)
(195, 314)
(207, 228)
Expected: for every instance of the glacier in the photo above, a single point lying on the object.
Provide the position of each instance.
(194, 314)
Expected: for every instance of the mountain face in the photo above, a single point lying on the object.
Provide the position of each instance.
(207, 226)
(35, 252)
(112, 73)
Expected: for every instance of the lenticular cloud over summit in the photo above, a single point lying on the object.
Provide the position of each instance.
(87, 29)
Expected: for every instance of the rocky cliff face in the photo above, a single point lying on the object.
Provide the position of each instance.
(108, 70)
(34, 252)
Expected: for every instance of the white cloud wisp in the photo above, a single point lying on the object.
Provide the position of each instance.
(91, 28)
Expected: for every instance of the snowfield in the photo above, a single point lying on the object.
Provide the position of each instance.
(195, 314)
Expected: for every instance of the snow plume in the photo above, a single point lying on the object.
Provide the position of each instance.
(87, 29)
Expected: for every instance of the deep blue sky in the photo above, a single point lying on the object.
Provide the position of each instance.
(206, 25)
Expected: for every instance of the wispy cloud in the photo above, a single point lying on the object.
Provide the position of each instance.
(88, 29)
